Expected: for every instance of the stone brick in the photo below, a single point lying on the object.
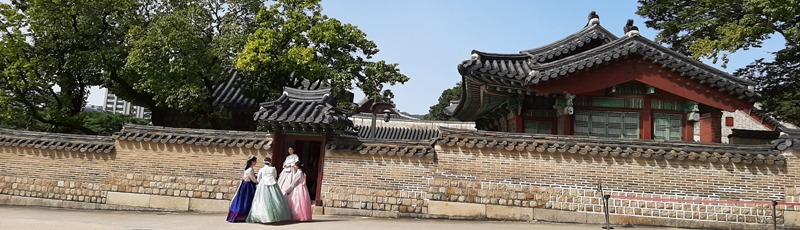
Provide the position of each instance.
(457, 209)
(509, 213)
(559, 216)
(347, 212)
(169, 202)
(792, 218)
(130, 199)
(209, 205)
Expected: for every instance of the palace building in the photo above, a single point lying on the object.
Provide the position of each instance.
(593, 83)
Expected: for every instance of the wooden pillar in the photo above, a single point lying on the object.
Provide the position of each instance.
(688, 129)
(646, 118)
(519, 122)
(319, 200)
(567, 127)
(711, 127)
(278, 155)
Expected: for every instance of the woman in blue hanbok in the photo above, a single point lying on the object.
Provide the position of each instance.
(243, 199)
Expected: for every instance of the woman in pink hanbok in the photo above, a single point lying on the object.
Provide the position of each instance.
(297, 196)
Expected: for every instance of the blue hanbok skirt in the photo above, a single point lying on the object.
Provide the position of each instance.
(242, 202)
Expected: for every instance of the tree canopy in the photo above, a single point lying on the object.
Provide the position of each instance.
(294, 38)
(714, 29)
(168, 56)
(437, 111)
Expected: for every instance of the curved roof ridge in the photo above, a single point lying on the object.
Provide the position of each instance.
(499, 55)
(649, 49)
(572, 38)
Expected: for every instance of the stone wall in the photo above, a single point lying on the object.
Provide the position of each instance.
(136, 175)
(458, 181)
(370, 183)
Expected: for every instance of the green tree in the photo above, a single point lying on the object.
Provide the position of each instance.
(437, 111)
(714, 29)
(51, 53)
(295, 39)
(107, 123)
(168, 55)
(180, 51)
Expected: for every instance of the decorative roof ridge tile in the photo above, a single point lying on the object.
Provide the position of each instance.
(43, 140)
(583, 145)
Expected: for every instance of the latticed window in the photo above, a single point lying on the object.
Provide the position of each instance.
(667, 127)
(612, 124)
(539, 127)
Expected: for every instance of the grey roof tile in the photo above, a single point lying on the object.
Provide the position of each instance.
(397, 133)
(204, 137)
(304, 109)
(56, 141)
(605, 147)
(512, 67)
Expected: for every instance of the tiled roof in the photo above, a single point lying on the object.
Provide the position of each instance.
(400, 148)
(303, 110)
(614, 50)
(199, 137)
(229, 94)
(607, 147)
(397, 133)
(790, 138)
(56, 141)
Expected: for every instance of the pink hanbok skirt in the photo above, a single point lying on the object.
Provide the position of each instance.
(300, 202)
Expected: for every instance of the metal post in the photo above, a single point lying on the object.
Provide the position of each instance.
(774, 215)
(605, 203)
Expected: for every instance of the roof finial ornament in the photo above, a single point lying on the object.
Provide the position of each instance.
(594, 19)
(475, 56)
(630, 29)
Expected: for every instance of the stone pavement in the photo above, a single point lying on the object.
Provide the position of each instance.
(27, 218)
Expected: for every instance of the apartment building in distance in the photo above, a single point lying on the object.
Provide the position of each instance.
(114, 104)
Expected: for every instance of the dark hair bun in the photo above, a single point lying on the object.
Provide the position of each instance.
(298, 164)
(252, 158)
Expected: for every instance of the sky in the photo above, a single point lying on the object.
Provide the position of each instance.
(429, 38)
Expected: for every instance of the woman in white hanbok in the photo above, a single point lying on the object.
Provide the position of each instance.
(285, 179)
(269, 204)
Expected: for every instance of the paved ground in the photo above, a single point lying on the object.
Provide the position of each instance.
(25, 218)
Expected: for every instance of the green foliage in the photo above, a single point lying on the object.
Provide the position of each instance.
(168, 55)
(52, 52)
(294, 38)
(100, 123)
(714, 29)
(437, 111)
(107, 123)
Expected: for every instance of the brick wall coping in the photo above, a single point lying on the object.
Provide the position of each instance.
(400, 148)
(594, 146)
(56, 141)
(204, 137)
